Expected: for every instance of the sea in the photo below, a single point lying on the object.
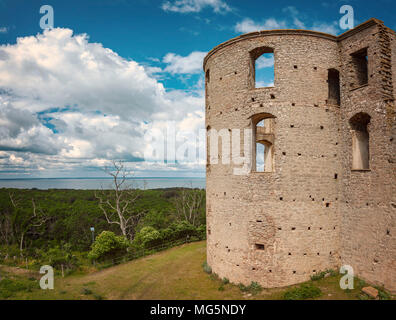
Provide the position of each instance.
(98, 183)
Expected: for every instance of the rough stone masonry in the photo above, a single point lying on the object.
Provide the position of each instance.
(326, 196)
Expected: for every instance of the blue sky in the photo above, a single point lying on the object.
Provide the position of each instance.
(85, 92)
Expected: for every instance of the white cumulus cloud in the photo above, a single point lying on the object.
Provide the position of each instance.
(68, 103)
(187, 6)
(184, 65)
(248, 25)
(331, 28)
(294, 20)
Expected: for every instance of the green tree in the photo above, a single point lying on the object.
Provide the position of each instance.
(26, 222)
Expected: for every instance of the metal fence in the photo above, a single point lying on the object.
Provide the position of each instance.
(141, 253)
(22, 263)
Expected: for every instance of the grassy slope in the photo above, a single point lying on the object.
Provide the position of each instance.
(172, 274)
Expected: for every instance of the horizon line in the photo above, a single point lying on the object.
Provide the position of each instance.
(75, 178)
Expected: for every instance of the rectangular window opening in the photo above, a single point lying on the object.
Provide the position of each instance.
(360, 68)
(334, 87)
(360, 141)
(262, 64)
(264, 150)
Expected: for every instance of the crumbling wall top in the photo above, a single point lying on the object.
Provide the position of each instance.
(256, 34)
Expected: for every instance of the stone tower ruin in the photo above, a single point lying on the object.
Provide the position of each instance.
(326, 195)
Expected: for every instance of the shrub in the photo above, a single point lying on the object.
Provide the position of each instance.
(305, 291)
(108, 246)
(361, 283)
(147, 237)
(332, 272)
(253, 288)
(225, 281)
(213, 276)
(382, 294)
(321, 275)
(242, 287)
(318, 276)
(182, 229)
(9, 252)
(363, 297)
(201, 232)
(86, 291)
(57, 256)
(8, 287)
(206, 268)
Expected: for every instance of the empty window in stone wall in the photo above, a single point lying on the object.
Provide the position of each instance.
(360, 141)
(359, 68)
(333, 80)
(262, 67)
(263, 139)
(207, 81)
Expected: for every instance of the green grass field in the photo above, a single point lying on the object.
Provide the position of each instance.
(176, 273)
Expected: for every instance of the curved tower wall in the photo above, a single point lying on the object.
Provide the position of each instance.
(300, 213)
(292, 211)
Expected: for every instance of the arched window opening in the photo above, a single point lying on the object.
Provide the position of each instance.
(334, 87)
(262, 66)
(263, 151)
(360, 141)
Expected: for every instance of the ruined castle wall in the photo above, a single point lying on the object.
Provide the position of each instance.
(368, 219)
(312, 212)
(292, 211)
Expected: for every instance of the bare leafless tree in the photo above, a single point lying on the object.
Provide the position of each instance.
(188, 204)
(119, 203)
